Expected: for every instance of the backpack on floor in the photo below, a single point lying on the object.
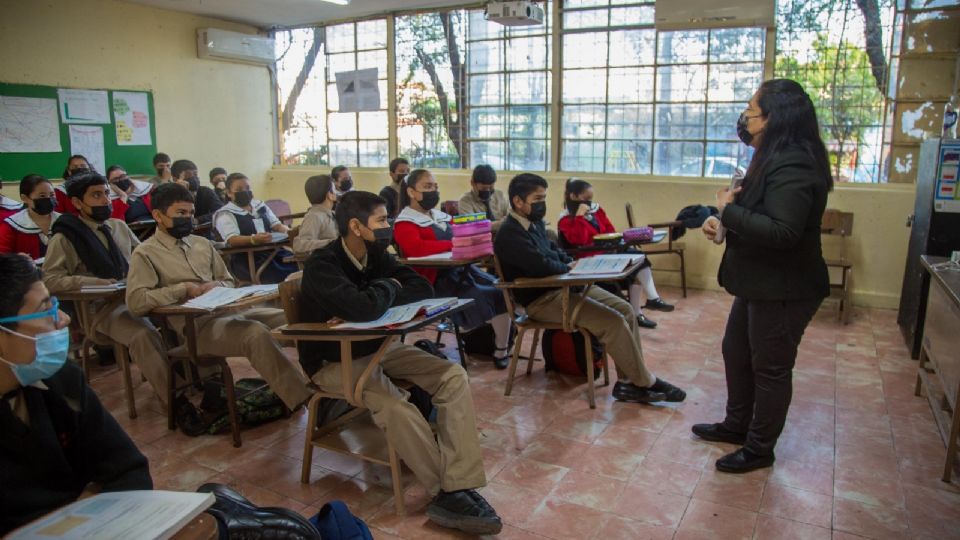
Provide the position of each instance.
(563, 352)
(258, 407)
(335, 522)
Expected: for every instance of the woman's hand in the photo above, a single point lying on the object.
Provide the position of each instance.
(711, 227)
(583, 209)
(262, 238)
(726, 196)
(120, 193)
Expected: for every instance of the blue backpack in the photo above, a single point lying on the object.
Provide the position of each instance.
(335, 522)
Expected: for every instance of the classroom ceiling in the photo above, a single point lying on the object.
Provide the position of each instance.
(273, 13)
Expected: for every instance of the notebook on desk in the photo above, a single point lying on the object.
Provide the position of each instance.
(605, 264)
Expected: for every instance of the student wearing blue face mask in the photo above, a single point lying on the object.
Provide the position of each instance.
(57, 442)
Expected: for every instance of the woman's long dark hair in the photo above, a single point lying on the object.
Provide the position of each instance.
(574, 186)
(791, 123)
(410, 181)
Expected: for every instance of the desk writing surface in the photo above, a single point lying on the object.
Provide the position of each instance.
(180, 309)
(229, 250)
(567, 280)
(948, 279)
(86, 296)
(325, 329)
(441, 260)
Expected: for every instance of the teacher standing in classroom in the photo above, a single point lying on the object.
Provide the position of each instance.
(772, 264)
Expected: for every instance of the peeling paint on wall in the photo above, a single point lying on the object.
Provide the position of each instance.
(908, 122)
(904, 166)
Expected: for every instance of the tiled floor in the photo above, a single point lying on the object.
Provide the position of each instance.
(860, 455)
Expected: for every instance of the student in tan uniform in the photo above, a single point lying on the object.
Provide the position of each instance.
(484, 198)
(356, 279)
(94, 249)
(319, 227)
(173, 266)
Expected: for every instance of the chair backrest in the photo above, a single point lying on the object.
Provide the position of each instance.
(279, 207)
(507, 293)
(630, 221)
(289, 291)
(836, 222)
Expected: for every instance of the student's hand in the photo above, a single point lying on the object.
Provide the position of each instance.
(120, 193)
(183, 183)
(583, 209)
(208, 286)
(105, 281)
(726, 196)
(262, 238)
(711, 227)
(194, 290)
(572, 264)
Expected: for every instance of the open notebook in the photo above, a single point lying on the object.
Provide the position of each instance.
(606, 264)
(398, 315)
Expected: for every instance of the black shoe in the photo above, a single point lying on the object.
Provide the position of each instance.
(187, 417)
(718, 433)
(465, 510)
(658, 304)
(636, 394)
(743, 461)
(501, 358)
(245, 520)
(105, 356)
(645, 322)
(673, 393)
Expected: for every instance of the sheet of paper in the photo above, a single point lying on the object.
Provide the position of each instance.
(279, 236)
(397, 314)
(221, 296)
(605, 264)
(88, 142)
(358, 91)
(83, 106)
(446, 255)
(132, 118)
(120, 515)
(29, 125)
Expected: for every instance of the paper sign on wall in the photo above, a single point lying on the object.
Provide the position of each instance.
(28, 125)
(88, 142)
(83, 106)
(132, 117)
(358, 90)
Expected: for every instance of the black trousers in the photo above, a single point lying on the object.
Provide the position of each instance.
(759, 352)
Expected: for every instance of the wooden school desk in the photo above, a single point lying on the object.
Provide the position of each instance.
(255, 271)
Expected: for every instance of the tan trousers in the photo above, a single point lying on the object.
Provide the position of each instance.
(247, 334)
(143, 341)
(450, 460)
(608, 317)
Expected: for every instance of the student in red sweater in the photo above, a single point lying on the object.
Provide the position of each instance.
(8, 207)
(420, 230)
(28, 230)
(76, 165)
(581, 220)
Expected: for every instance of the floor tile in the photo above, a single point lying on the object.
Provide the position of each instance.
(709, 520)
(774, 528)
(797, 505)
(562, 520)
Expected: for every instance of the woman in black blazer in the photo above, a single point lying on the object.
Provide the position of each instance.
(773, 265)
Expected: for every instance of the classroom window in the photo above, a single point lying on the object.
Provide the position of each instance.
(824, 45)
(313, 129)
(640, 101)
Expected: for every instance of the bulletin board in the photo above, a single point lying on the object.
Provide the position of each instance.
(42, 126)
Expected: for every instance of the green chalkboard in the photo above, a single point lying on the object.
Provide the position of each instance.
(135, 159)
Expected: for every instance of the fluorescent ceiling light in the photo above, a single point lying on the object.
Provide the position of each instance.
(338, 2)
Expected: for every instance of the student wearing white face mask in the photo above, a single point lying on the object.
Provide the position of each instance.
(57, 442)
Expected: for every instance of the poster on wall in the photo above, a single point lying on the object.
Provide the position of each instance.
(83, 106)
(132, 117)
(357, 91)
(88, 142)
(947, 195)
(29, 125)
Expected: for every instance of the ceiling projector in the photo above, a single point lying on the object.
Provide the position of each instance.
(514, 13)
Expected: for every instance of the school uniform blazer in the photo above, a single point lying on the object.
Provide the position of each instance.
(578, 232)
(773, 234)
(413, 232)
(19, 234)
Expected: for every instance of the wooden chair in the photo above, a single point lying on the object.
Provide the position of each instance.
(839, 224)
(672, 248)
(361, 438)
(280, 207)
(524, 323)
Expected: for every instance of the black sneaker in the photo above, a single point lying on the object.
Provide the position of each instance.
(658, 304)
(465, 510)
(645, 322)
(673, 393)
(718, 433)
(743, 461)
(636, 394)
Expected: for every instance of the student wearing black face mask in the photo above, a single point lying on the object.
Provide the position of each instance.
(78, 165)
(355, 279)
(184, 172)
(399, 169)
(483, 197)
(421, 230)
(28, 231)
(523, 250)
(134, 193)
(341, 179)
(246, 221)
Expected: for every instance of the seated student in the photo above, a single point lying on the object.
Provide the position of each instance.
(356, 279)
(57, 442)
(399, 169)
(161, 164)
(77, 165)
(483, 198)
(246, 221)
(8, 207)
(173, 266)
(423, 230)
(581, 220)
(184, 172)
(94, 249)
(136, 193)
(523, 250)
(319, 227)
(28, 231)
(218, 179)
(342, 179)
